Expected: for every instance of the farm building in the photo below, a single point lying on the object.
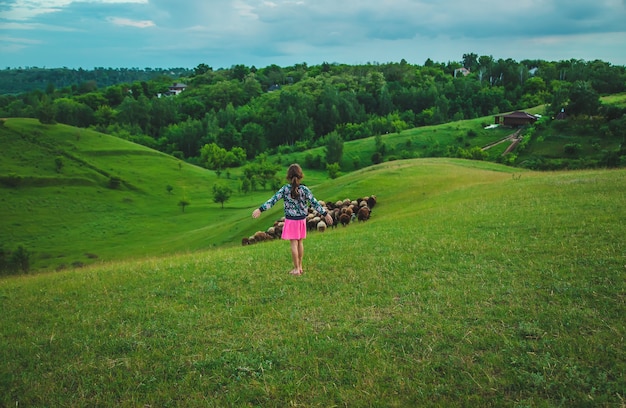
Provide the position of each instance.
(516, 118)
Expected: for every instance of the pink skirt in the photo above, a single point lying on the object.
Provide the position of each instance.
(294, 229)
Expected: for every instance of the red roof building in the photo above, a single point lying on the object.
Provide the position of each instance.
(515, 119)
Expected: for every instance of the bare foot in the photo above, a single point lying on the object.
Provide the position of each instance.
(295, 272)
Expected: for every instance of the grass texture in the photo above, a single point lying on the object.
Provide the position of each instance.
(469, 286)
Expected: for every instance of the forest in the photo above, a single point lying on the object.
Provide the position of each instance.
(248, 111)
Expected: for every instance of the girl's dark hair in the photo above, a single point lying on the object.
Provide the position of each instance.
(294, 175)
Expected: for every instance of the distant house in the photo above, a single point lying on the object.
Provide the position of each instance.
(515, 119)
(177, 88)
(463, 71)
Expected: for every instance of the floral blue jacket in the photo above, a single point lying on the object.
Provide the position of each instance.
(295, 209)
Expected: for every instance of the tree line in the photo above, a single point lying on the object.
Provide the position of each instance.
(246, 111)
(20, 80)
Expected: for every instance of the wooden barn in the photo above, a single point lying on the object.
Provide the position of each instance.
(515, 119)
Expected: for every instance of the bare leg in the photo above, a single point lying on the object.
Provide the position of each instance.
(300, 254)
(295, 256)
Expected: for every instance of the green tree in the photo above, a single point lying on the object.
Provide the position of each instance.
(105, 115)
(261, 171)
(73, 113)
(221, 193)
(246, 185)
(334, 148)
(583, 99)
(185, 137)
(183, 203)
(470, 61)
(202, 69)
(214, 157)
(253, 139)
(333, 170)
(45, 112)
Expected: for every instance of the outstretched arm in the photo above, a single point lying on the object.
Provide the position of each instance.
(269, 203)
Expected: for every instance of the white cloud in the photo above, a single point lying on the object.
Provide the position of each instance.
(26, 13)
(28, 9)
(125, 22)
(32, 26)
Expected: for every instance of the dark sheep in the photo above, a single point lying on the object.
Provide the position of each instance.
(363, 214)
(371, 202)
(345, 218)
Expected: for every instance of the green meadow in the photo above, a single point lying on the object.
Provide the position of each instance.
(69, 216)
(473, 284)
(72, 217)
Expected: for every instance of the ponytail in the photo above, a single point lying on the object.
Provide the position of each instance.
(294, 175)
(295, 183)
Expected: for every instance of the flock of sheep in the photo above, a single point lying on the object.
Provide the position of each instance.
(343, 212)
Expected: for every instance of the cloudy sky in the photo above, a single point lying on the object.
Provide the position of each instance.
(222, 33)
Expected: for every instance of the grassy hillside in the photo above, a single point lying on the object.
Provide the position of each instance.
(70, 216)
(468, 287)
(73, 216)
(414, 143)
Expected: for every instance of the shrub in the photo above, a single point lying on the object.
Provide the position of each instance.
(58, 162)
(115, 182)
(20, 259)
(3, 261)
(333, 170)
(313, 161)
(572, 149)
(12, 180)
(377, 157)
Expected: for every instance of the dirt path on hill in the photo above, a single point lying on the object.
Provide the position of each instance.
(514, 138)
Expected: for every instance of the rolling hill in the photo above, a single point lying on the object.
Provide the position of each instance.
(74, 215)
(73, 196)
(469, 286)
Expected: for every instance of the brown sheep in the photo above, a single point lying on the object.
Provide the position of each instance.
(363, 214)
(344, 219)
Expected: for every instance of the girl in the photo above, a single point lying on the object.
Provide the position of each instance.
(296, 198)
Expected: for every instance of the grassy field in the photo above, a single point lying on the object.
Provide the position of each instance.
(414, 143)
(71, 217)
(469, 286)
